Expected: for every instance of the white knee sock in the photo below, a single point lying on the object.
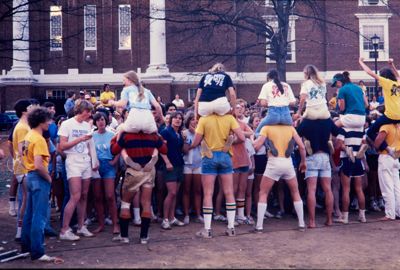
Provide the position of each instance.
(207, 213)
(136, 212)
(230, 214)
(261, 208)
(298, 206)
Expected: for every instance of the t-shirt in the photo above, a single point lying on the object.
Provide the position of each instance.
(373, 105)
(106, 96)
(193, 157)
(391, 94)
(319, 140)
(270, 92)
(69, 105)
(392, 137)
(280, 136)
(20, 131)
(174, 145)
(102, 144)
(315, 94)
(72, 129)
(240, 157)
(214, 86)
(178, 103)
(35, 145)
(131, 94)
(353, 97)
(215, 129)
(332, 103)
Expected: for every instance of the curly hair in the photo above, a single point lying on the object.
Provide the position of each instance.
(38, 116)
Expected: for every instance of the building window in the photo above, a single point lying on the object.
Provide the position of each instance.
(124, 25)
(371, 92)
(90, 27)
(291, 46)
(55, 94)
(366, 3)
(55, 28)
(192, 94)
(369, 25)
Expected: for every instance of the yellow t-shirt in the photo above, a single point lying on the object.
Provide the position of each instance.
(391, 94)
(106, 96)
(216, 129)
(35, 145)
(280, 136)
(332, 102)
(20, 131)
(392, 137)
(93, 100)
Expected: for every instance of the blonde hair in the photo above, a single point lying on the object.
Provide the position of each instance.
(217, 68)
(312, 74)
(134, 78)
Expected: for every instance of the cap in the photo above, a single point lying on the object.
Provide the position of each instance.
(87, 96)
(336, 78)
(81, 92)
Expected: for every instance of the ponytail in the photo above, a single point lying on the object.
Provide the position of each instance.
(346, 77)
(274, 76)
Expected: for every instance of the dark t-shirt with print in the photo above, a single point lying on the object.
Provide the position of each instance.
(214, 86)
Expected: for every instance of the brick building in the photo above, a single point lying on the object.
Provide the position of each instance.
(80, 45)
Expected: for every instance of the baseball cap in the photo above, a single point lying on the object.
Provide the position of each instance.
(81, 92)
(336, 78)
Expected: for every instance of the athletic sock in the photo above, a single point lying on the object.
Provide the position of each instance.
(345, 216)
(261, 208)
(136, 212)
(207, 213)
(230, 214)
(144, 227)
(298, 206)
(124, 226)
(11, 202)
(240, 203)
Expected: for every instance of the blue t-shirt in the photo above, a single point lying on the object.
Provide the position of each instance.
(193, 157)
(131, 93)
(214, 85)
(69, 105)
(53, 130)
(353, 97)
(174, 144)
(102, 143)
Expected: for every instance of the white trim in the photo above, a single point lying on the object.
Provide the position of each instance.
(73, 78)
(365, 3)
(119, 26)
(374, 19)
(95, 28)
(108, 70)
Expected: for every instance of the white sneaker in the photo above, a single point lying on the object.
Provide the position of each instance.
(362, 218)
(165, 225)
(137, 222)
(108, 221)
(18, 234)
(121, 239)
(12, 212)
(176, 222)
(220, 218)
(69, 236)
(84, 232)
(268, 214)
(186, 220)
(88, 222)
(199, 219)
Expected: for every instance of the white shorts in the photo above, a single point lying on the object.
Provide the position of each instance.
(279, 168)
(317, 112)
(96, 175)
(352, 120)
(189, 170)
(78, 166)
(220, 106)
(140, 120)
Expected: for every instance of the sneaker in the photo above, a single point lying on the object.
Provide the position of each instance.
(361, 152)
(374, 206)
(166, 225)
(302, 228)
(199, 219)
(250, 220)
(120, 239)
(84, 232)
(88, 222)
(69, 236)
(12, 212)
(186, 220)
(244, 221)
(268, 214)
(341, 220)
(362, 218)
(381, 204)
(176, 222)
(108, 221)
(204, 233)
(257, 230)
(144, 241)
(230, 232)
(307, 145)
(350, 154)
(220, 218)
(136, 222)
(279, 215)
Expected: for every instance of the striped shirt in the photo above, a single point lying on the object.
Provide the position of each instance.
(139, 146)
(352, 138)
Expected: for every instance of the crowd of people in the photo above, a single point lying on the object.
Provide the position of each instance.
(139, 160)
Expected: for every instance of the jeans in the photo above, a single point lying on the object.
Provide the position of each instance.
(276, 116)
(35, 218)
(372, 132)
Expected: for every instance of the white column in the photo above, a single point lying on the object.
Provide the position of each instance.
(158, 46)
(21, 67)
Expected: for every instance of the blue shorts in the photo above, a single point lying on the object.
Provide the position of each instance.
(276, 116)
(351, 169)
(243, 169)
(220, 163)
(318, 165)
(176, 175)
(106, 170)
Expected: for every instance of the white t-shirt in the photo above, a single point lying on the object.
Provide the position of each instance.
(114, 123)
(131, 94)
(316, 94)
(374, 104)
(178, 103)
(72, 129)
(270, 92)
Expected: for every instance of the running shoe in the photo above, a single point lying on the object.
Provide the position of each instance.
(199, 219)
(108, 221)
(119, 238)
(176, 222)
(84, 232)
(257, 230)
(220, 218)
(144, 241)
(69, 236)
(12, 212)
(374, 206)
(230, 232)
(137, 222)
(268, 214)
(166, 225)
(204, 233)
(186, 220)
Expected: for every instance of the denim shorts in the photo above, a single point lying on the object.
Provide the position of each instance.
(176, 175)
(220, 163)
(106, 170)
(318, 165)
(243, 169)
(276, 116)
